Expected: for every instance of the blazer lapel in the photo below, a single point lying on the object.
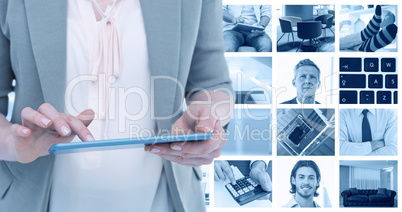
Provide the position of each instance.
(47, 23)
(163, 30)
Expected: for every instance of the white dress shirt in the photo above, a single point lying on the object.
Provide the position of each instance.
(115, 180)
(257, 11)
(294, 204)
(383, 124)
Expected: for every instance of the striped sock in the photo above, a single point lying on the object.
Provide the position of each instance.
(381, 39)
(373, 26)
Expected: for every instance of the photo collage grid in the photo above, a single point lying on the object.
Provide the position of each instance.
(316, 112)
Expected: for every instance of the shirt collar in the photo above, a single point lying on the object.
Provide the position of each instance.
(297, 100)
(294, 204)
(359, 111)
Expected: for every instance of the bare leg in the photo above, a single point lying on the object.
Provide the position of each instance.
(350, 41)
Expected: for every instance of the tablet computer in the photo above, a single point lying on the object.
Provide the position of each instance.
(127, 143)
(247, 28)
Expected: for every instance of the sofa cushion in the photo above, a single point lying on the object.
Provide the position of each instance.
(368, 191)
(381, 191)
(354, 191)
(379, 198)
(358, 198)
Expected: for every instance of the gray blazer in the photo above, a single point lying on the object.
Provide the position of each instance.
(184, 41)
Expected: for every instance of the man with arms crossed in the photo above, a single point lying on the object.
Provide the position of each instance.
(368, 132)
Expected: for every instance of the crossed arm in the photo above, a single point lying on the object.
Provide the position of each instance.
(385, 146)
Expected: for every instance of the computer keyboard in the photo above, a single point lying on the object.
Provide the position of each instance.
(368, 80)
(245, 190)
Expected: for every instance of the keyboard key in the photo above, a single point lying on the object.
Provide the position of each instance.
(371, 87)
(348, 97)
(396, 97)
(371, 64)
(366, 97)
(383, 97)
(352, 81)
(375, 81)
(350, 64)
(243, 192)
(391, 81)
(388, 65)
(252, 182)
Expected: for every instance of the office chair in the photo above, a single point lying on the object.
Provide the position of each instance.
(327, 22)
(288, 25)
(309, 30)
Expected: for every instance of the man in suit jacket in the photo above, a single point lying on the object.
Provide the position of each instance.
(295, 101)
(306, 80)
(185, 42)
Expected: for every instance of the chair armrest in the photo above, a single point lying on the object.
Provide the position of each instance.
(330, 21)
(293, 20)
(286, 25)
(390, 193)
(346, 193)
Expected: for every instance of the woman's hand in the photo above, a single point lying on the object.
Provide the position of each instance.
(198, 118)
(43, 128)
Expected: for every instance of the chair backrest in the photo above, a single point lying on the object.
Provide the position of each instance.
(286, 25)
(325, 19)
(292, 19)
(332, 12)
(330, 22)
(309, 29)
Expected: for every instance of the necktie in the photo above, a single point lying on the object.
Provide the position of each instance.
(366, 130)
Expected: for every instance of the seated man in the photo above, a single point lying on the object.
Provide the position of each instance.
(368, 132)
(307, 81)
(257, 15)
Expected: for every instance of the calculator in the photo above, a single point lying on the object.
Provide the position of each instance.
(245, 190)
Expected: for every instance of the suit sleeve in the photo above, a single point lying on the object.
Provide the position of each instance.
(6, 73)
(208, 68)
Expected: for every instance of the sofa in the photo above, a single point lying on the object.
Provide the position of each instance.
(381, 197)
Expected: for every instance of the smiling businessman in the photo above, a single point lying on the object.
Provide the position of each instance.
(305, 180)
